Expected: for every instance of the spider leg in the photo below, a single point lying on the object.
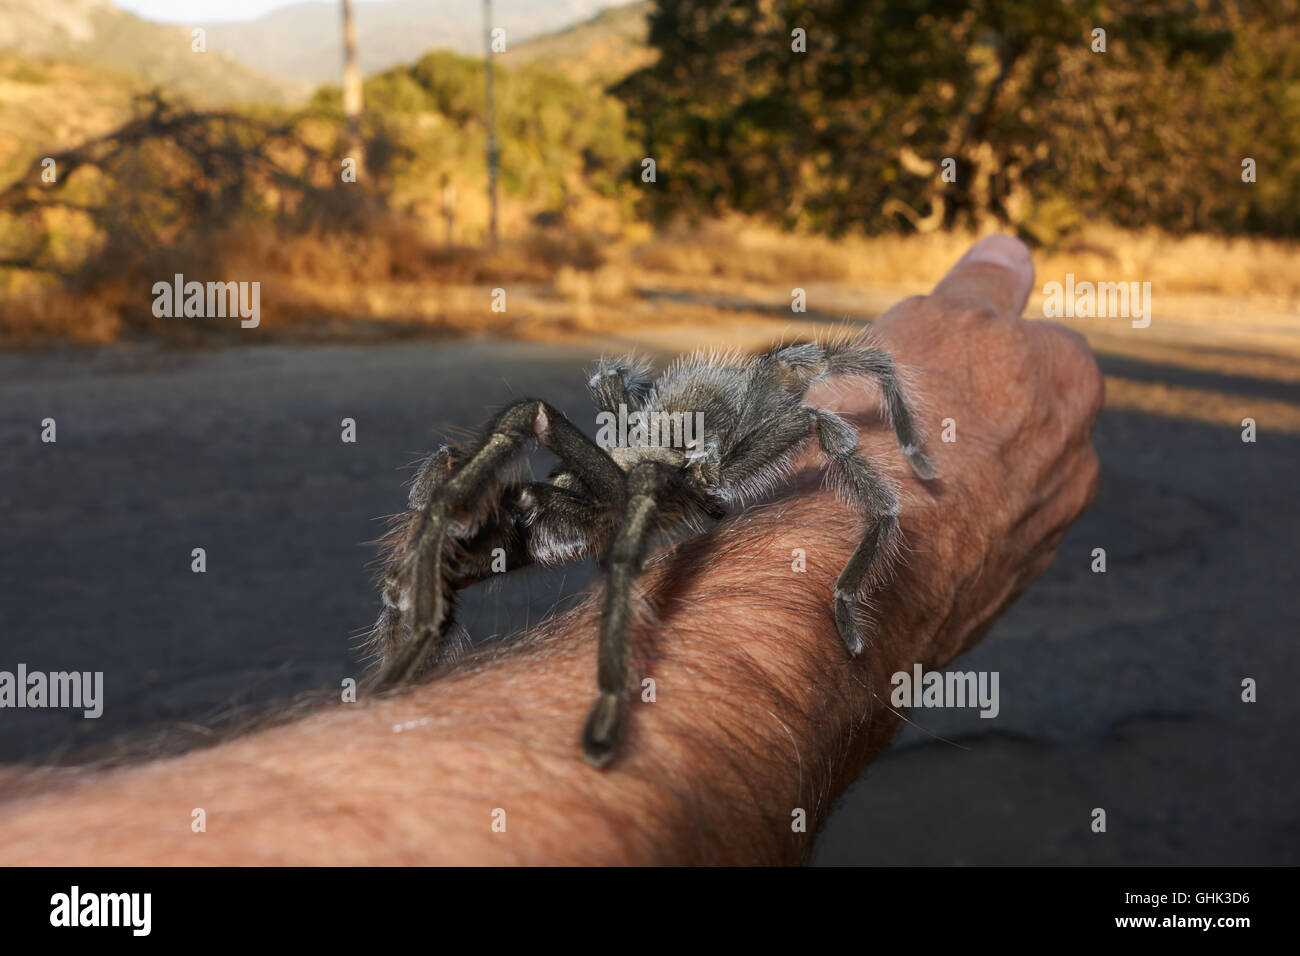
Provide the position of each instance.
(857, 359)
(874, 556)
(386, 635)
(428, 596)
(755, 465)
(798, 366)
(623, 381)
(543, 522)
(536, 522)
(562, 522)
(606, 722)
(473, 560)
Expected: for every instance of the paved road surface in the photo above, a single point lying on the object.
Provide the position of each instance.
(1118, 691)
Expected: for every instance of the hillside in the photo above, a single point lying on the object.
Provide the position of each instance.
(604, 49)
(47, 104)
(97, 32)
(76, 76)
(302, 42)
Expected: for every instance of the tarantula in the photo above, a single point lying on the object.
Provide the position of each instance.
(608, 502)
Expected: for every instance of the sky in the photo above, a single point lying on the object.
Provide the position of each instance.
(191, 11)
(187, 11)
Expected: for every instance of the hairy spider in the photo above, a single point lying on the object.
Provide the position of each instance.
(609, 502)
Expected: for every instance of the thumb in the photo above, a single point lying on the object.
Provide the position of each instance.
(996, 273)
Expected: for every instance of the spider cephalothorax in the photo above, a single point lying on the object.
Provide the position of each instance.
(463, 518)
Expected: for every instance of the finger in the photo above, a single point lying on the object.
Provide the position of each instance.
(996, 273)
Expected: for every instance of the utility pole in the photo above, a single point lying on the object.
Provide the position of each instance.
(491, 124)
(352, 83)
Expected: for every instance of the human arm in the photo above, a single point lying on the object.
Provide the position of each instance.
(758, 711)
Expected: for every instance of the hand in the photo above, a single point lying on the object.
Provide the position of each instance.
(1019, 399)
(1022, 397)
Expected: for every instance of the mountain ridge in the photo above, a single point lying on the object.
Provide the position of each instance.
(99, 32)
(302, 43)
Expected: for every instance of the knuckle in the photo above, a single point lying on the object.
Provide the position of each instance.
(969, 310)
(1078, 376)
(1007, 347)
(985, 315)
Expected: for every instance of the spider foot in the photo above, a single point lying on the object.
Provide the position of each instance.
(921, 465)
(846, 622)
(604, 729)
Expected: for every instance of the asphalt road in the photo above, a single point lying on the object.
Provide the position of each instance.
(1119, 690)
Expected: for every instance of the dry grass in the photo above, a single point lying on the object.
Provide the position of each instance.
(723, 283)
(1206, 291)
(399, 278)
(735, 249)
(50, 317)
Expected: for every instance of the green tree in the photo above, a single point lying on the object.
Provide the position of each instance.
(854, 132)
